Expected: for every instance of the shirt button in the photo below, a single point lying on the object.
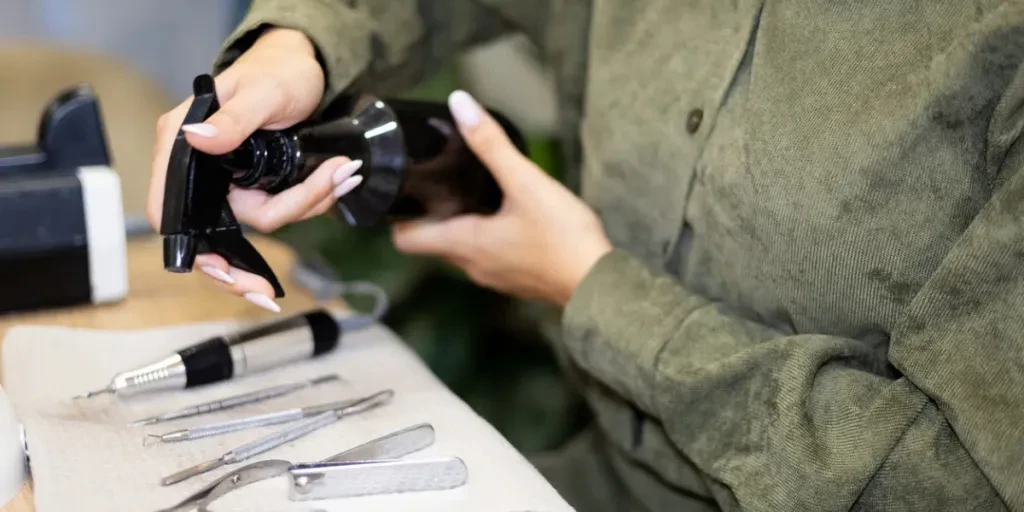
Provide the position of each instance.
(693, 120)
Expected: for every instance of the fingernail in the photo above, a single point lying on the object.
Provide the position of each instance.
(204, 129)
(347, 186)
(262, 301)
(464, 108)
(218, 274)
(346, 170)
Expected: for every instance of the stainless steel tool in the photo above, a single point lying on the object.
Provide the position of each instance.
(279, 438)
(261, 420)
(257, 348)
(252, 397)
(371, 462)
(333, 480)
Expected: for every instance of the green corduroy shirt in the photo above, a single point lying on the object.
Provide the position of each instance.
(816, 300)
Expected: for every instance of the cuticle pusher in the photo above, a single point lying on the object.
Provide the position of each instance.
(262, 420)
(251, 397)
(276, 439)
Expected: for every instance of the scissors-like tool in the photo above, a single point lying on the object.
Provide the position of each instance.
(370, 468)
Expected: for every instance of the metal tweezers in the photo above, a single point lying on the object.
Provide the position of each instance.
(367, 469)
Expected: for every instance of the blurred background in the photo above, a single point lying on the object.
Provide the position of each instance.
(140, 57)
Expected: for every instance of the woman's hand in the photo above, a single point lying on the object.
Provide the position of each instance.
(275, 84)
(540, 244)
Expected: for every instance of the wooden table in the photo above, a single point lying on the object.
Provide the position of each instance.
(159, 298)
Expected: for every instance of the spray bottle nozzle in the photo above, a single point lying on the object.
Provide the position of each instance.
(179, 253)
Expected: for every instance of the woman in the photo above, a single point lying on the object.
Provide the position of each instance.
(795, 277)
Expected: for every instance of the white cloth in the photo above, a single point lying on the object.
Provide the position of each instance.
(84, 458)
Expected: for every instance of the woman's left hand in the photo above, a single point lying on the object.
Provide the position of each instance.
(539, 245)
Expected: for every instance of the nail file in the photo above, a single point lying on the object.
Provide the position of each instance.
(334, 480)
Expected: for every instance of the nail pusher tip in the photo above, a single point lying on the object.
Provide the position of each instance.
(326, 378)
(142, 422)
(90, 394)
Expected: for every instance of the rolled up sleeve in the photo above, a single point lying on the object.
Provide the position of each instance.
(808, 421)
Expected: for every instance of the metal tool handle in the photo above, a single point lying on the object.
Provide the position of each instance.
(319, 421)
(347, 479)
(256, 396)
(248, 398)
(274, 440)
(238, 400)
(262, 420)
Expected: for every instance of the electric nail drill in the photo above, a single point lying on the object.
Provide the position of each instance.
(415, 164)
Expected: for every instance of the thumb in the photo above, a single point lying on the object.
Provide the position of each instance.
(488, 141)
(250, 107)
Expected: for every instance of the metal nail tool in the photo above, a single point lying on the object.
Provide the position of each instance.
(370, 468)
(324, 481)
(252, 397)
(262, 420)
(279, 438)
(391, 446)
(254, 349)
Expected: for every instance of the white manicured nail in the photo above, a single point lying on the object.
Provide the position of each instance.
(204, 129)
(464, 109)
(262, 301)
(347, 186)
(346, 170)
(218, 274)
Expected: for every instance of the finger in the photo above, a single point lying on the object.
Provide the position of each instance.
(255, 289)
(216, 267)
(454, 239)
(321, 208)
(254, 104)
(463, 264)
(469, 268)
(488, 140)
(268, 213)
(250, 286)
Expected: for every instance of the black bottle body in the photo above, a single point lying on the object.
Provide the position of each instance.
(415, 162)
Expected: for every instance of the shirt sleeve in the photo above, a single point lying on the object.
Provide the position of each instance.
(386, 46)
(932, 420)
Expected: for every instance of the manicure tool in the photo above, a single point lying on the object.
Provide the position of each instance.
(261, 420)
(255, 349)
(279, 438)
(370, 468)
(230, 402)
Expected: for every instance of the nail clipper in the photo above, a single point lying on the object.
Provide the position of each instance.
(368, 469)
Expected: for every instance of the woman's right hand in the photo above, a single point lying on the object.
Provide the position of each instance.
(275, 84)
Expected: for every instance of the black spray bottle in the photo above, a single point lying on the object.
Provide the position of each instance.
(415, 165)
